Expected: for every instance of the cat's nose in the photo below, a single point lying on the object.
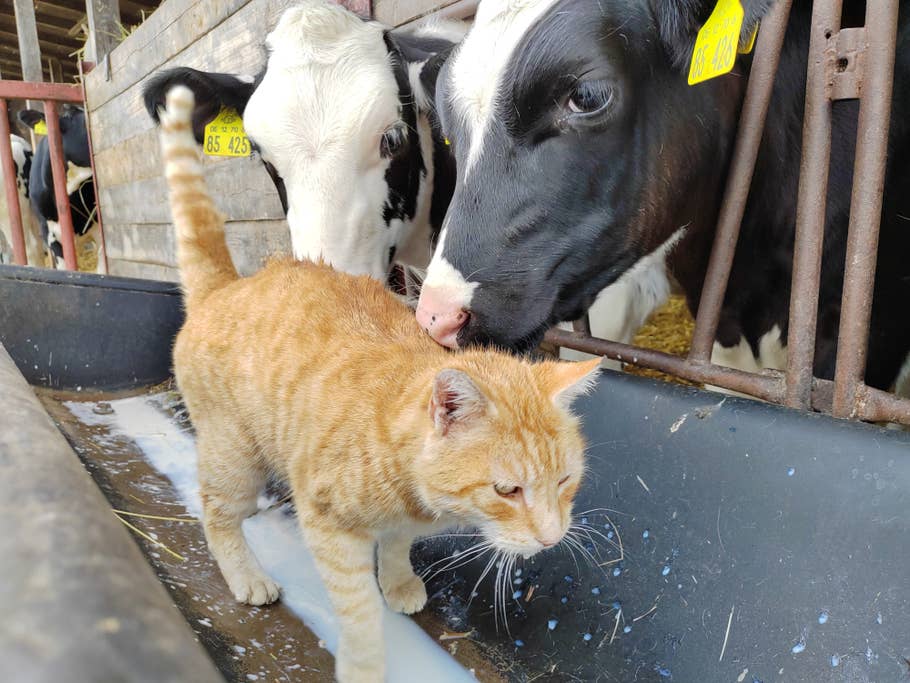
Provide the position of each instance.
(441, 316)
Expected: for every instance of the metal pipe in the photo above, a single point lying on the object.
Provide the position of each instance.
(8, 166)
(58, 168)
(811, 204)
(866, 205)
(742, 167)
(767, 386)
(58, 92)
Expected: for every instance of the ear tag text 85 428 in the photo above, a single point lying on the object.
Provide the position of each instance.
(715, 48)
(40, 128)
(225, 137)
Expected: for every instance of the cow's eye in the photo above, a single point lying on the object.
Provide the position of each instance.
(590, 97)
(393, 142)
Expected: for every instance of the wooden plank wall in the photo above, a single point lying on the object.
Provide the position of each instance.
(213, 35)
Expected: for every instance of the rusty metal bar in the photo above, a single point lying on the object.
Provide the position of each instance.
(811, 204)
(8, 166)
(866, 205)
(767, 386)
(742, 167)
(57, 92)
(583, 325)
(58, 168)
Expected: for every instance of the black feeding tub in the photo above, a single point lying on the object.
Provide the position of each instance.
(730, 540)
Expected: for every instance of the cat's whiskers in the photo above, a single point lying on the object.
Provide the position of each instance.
(483, 574)
(457, 559)
(594, 536)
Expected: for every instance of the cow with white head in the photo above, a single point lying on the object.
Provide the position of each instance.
(341, 118)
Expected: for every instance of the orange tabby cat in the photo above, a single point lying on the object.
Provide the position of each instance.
(326, 380)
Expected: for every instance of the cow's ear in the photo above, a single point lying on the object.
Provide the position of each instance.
(679, 21)
(31, 118)
(212, 92)
(426, 47)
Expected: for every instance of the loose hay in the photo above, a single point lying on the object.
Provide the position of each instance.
(669, 329)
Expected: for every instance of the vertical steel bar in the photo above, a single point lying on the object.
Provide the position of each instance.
(58, 167)
(8, 166)
(866, 204)
(811, 204)
(745, 153)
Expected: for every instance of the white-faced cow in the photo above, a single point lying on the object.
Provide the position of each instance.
(80, 184)
(581, 150)
(340, 116)
(22, 158)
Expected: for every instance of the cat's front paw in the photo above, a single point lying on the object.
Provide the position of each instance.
(349, 670)
(254, 588)
(407, 597)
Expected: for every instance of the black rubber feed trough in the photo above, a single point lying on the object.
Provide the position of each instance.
(725, 539)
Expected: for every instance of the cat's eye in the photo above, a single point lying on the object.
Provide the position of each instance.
(564, 479)
(507, 491)
(393, 142)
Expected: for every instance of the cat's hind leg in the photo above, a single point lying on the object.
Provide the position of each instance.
(230, 481)
(404, 591)
(346, 563)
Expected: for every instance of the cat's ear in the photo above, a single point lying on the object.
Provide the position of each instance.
(568, 381)
(454, 399)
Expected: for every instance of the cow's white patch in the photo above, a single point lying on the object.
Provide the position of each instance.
(319, 114)
(479, 64)
(20, 148)
(772, 355)
(415, 248)
(902, 386)
(443, 276)
(76, 176)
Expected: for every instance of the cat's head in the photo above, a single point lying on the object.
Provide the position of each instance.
(503, 451)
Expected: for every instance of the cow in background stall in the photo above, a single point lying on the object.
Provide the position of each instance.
(34, 251)
(582, 152)
(340, 116)
(80, 184)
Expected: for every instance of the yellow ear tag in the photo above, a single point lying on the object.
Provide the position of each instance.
(448, 144)
(715, 48)
(225, 137)
(40, 128)
(751, 44)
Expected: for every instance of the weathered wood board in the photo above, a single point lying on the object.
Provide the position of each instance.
(214, 35)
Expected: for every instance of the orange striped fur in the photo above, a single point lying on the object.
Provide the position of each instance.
(326, 380)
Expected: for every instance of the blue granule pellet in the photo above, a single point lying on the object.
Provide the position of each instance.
(835, 660)
(564, 600)
(519, 643)
(663, 672)
(617, 606)
(589, 547)
(587, 637)
(551, 625)
(878, 619)
(823, 618)
(568, 578)
(518, 582)
(645, 533)
(518, 572)
(610, 535)
(799, 647)
(617, 571)
(516, 595)
(584, 520)
(627, 629)
(791, 471)
(595, 591)
(665, 570)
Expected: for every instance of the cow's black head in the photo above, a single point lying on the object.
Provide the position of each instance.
(579, 144)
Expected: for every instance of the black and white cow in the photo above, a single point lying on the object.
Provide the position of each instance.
(22, 158)
(341, 118)
(581, 151)
(80, 184)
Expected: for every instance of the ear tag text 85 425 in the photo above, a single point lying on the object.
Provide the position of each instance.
(225, 137)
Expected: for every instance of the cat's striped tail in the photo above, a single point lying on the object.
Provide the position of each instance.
(202, 253)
